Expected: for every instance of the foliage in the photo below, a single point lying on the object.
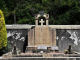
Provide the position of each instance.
(63, 12)
(5, 49)
(3, 32)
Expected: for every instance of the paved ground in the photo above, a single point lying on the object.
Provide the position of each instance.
(39, 53)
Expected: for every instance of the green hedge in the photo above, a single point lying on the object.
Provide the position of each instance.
(3, 32)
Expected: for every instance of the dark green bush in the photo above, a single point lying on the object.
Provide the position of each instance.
(5, 49)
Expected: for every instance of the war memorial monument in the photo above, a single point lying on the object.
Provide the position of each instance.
(44, 41)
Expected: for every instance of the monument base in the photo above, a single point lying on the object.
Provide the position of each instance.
(34, 49)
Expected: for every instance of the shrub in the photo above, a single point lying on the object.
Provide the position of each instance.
(3, 32)
(5, 49)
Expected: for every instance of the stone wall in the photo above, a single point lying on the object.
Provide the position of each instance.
(18, 37)
(66, 37)
(18, 34)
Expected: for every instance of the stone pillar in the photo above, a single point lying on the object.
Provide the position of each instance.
(54, 37)
(47, 22)
(36, 22)
(31, 37)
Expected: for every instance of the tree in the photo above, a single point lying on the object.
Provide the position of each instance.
(63, 12)
(3, 32)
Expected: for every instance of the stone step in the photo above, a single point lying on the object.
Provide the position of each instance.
(44, 55)
(40, 58)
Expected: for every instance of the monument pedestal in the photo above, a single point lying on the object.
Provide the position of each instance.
(33, 49)
(41, 35)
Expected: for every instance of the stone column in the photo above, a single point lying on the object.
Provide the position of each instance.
(47, 22)
(36, 22)
(54, 37)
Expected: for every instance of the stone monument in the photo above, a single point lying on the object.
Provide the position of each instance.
(41, 34)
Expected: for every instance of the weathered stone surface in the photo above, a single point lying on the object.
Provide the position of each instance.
(54, 48)
(18, 37)
(65, 26)
(49, 55)
(7, 55)
(53, 37)
(66, 37)
(42, 47)
(58, 55)
(43, 36)
(18, 26)
(28, 51)
(31, 48)
(62, 42)
(63, 38)
(24, 26)
(36, 22)
(52, 51)
(31, 37)
(47, 22)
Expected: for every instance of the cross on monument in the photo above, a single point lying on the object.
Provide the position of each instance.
(41, 22)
